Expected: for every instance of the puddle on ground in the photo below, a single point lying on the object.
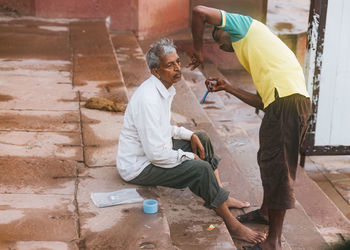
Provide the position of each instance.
(283, 26)
(5, 98)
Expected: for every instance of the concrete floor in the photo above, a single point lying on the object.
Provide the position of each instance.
(332, 175)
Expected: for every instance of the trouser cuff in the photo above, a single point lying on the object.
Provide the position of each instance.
(220, 198)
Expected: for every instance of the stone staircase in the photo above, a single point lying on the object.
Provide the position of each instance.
(70, 151)
(54, 152)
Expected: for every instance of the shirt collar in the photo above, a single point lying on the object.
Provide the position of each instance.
(164, 92)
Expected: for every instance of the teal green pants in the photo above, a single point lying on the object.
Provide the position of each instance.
(198, 175)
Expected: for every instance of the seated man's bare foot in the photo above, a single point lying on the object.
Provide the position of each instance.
(242, 232)
(234, 203)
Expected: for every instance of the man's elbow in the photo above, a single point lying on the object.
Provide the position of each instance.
(199, 11)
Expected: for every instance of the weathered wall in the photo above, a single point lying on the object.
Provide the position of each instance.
(161, 17)
(254, 8)
(144, 17)
(25, 7)
(123, 13)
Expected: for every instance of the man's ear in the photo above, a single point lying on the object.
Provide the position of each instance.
(155, 72)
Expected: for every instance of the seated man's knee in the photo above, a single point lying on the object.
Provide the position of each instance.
(203, 136)
(204, 168)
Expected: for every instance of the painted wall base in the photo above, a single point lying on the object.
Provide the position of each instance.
(144, 17)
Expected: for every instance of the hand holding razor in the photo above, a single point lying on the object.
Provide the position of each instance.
(206, 93)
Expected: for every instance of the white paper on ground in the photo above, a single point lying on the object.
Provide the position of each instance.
(123, 196)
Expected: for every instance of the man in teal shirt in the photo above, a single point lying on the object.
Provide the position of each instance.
(279, 81)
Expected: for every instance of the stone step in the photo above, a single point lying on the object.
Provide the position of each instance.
(188, 219)
(54, 152)
(98, 73)
(188, 113)
(329, 220)
(118, 227)
(40, 154)
(95, 68)
(239, 132)
(131, 60)
(332, 175)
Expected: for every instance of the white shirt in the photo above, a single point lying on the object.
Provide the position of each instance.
(146, 135)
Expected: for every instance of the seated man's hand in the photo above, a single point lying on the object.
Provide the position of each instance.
(196, 157)
(197, 147)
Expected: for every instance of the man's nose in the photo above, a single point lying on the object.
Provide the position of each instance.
(177, 66)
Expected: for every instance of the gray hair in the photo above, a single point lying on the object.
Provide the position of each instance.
(158, 50)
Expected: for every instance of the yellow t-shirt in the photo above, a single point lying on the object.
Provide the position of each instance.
(270, 62)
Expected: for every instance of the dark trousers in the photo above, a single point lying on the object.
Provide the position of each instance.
(198, 175)
(281, 133)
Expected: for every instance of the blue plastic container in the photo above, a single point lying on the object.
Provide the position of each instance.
(150, 206)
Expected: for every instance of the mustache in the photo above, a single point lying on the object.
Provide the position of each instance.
(178, 73)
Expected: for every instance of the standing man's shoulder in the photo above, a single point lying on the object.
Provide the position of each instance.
(234, 19)
(237, 25)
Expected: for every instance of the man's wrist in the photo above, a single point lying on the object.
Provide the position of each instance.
(228, 87)
(187, 156)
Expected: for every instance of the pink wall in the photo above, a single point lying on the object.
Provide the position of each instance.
(145, 17)
(123, 13)
(162, 16)
(22, 6)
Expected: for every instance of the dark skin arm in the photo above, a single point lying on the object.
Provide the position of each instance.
(253, 100)
(197, 147)
(200, 16)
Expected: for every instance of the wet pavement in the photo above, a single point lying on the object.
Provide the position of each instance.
(288, 16)
(40, 140)
(332, 174)
(53, 151)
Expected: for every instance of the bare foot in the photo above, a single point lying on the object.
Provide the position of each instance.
(234, 203)
(242, 232)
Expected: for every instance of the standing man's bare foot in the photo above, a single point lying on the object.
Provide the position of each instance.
(241, 232)
(234, 203)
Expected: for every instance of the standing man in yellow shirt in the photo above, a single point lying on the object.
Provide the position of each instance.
(282, 95)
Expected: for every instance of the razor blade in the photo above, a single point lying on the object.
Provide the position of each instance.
(206, 93)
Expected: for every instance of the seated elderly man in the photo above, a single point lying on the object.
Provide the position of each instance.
(151, 152)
